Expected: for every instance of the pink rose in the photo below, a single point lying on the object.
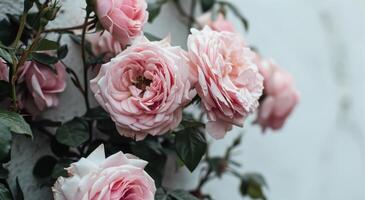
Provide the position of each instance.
(43, 84)
(228, 81)
(120, 176)
(4, 71)
(104, 43)
(124, 19)
(219, 24)
(280, 96)
(145, 88)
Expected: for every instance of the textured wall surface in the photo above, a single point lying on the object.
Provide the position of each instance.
(320, 154)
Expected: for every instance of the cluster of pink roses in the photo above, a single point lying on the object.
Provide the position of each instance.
(146, 87)
(42, 84)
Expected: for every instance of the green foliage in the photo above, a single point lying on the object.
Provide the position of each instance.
(4, 193)
(44, 166)
(154, 9)
(15, 123)
(5, 141)
(73, 133)
(59, 168)
(162, 194)
(190, 143)
(252, 185)
(5, 55)
(44, 58)
(4, 90)
(151, 151)
(45, 45)
(62, 52)
(3, 172)
(206, 5)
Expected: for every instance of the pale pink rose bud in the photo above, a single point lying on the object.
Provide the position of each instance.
(124, 19)
(43, 84)
(280, 96)
(4, 71)
(120, 176)
(104, 43)
(219, 24)
(145, 88)
(228, 81)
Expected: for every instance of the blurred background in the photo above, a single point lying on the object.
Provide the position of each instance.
(320, 153)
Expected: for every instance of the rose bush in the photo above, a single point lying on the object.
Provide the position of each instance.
(120, 176)
(145, 88)
(228, 81)
(124, 19)
(280, 97)
(43, 85)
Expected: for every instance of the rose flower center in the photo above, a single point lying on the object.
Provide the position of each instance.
(142, 83)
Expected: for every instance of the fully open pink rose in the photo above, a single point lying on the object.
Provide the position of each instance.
(43, 84)
(145, 88)
(124, 19)
(4, 71)
(104, 43)
(219, 24)
(228, 81)
(120, 176)
(281, 96)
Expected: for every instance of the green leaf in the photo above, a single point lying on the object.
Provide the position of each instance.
(152, 152)
(182, 195)
(207, 4)
(73, 133)
(4, 90)
(46, 45)
(151, 37)
(62, 52)
(162, 194)
(3, 172)
(19, 192)
(15, 122)
(59, 168)
(154, 10)
(44, 58)
(5, 55)
(252, 185)
(44, 166)
(190, 146)
(5, 141)
(4, 193)
(97, 113)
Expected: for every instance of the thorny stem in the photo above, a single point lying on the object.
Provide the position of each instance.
(192, 14)
(14, 66)
(68, 29)
(83, 55)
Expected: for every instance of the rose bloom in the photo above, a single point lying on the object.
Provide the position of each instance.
(4, 71)
(120, 176)
(43, 84)
(124, 19)
(219, 24)
(280, 96)
(104, 43)
(228, 81)
(145, 88)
